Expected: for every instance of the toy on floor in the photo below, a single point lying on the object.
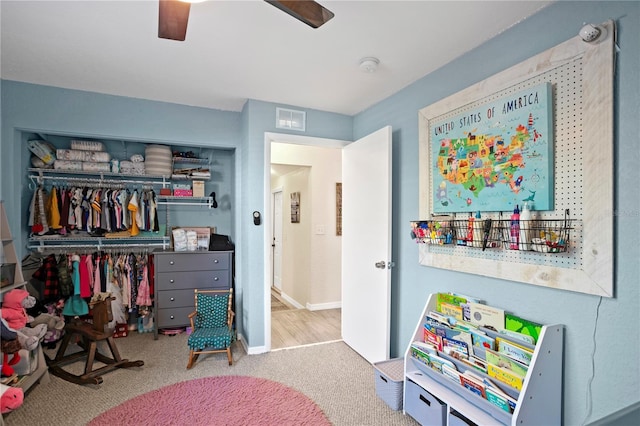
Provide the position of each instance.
(42, 315)
(11, 398)
(91, 334)
(50, 315)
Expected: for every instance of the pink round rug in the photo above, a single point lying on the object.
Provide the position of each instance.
(220, 400)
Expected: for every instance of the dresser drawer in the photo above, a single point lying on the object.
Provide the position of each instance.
(192, 261)
(174, 317)
(200, 279)
(175, 298)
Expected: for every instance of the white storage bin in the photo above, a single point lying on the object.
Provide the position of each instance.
(390, 381)
(424, 407)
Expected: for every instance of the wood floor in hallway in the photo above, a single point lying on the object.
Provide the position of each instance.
(295, 327)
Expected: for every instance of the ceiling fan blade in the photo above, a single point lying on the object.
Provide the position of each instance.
(173, 18)
(307, 11)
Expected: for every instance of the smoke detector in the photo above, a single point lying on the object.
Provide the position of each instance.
(369, 64)
(592, 33)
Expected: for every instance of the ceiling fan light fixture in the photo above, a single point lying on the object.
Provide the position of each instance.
(369, 64)
(309, 12)
(173, 17)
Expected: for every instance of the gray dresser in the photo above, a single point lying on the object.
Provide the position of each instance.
(177, 274)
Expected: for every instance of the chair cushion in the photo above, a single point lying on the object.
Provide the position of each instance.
(216, 338)
(212, 310)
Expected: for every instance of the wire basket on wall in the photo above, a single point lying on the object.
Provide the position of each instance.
(538, 235)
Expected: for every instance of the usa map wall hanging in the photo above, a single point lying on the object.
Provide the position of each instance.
(494, 156)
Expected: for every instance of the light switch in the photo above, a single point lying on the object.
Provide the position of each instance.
(320, 230)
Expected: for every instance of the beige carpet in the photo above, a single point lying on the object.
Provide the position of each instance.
(340, 381)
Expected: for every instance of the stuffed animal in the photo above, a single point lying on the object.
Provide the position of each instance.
(41, 315)
(14, 305)
(51, 316)
(51, 321)
(11, 398)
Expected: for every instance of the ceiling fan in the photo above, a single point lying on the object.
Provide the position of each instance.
(174, 15)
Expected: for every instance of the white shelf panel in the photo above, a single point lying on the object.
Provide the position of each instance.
(47, 172)
(193, 201)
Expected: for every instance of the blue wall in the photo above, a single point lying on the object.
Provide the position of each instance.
(602, 344)
(258, 118)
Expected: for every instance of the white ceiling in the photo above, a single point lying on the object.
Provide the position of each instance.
(239, 50)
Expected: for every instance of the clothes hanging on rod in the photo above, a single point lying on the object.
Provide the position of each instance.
(37, 217)
(95, 210)
(127, 276)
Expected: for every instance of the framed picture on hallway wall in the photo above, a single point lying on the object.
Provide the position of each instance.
(295, 207)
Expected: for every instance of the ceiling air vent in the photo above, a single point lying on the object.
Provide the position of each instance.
(290, 119)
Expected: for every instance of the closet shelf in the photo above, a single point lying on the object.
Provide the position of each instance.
(109, 177)
(185, 201)
(55, 242)
(190, 160)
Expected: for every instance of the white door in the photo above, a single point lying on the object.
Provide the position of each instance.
(277, 241)
(366, 245)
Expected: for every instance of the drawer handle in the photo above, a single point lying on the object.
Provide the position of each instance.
(422, 398)
(173, 318)
(171, 263)
(215, 261)
(215, 279)
(171, 281)
(172, 299)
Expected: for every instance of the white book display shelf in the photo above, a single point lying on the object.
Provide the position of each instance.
(538, 402)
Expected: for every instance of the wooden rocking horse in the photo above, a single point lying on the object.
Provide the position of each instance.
(88, 335)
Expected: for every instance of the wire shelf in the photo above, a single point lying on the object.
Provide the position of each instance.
(540, 235)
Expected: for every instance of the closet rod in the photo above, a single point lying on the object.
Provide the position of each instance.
(39, 178)
(99, 246)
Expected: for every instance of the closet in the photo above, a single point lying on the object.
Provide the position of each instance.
(111, 203)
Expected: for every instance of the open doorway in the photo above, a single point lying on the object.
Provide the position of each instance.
(305, 262)
(364, 280)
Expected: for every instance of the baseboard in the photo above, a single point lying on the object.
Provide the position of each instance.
(310, 306)
(323, 306)
(251, 350)
(256, 350)
(291, 301)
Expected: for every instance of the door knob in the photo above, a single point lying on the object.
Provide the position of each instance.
(381, 265)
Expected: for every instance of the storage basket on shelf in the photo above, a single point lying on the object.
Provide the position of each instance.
(7, 274)
(158, 160)
(390, 381)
